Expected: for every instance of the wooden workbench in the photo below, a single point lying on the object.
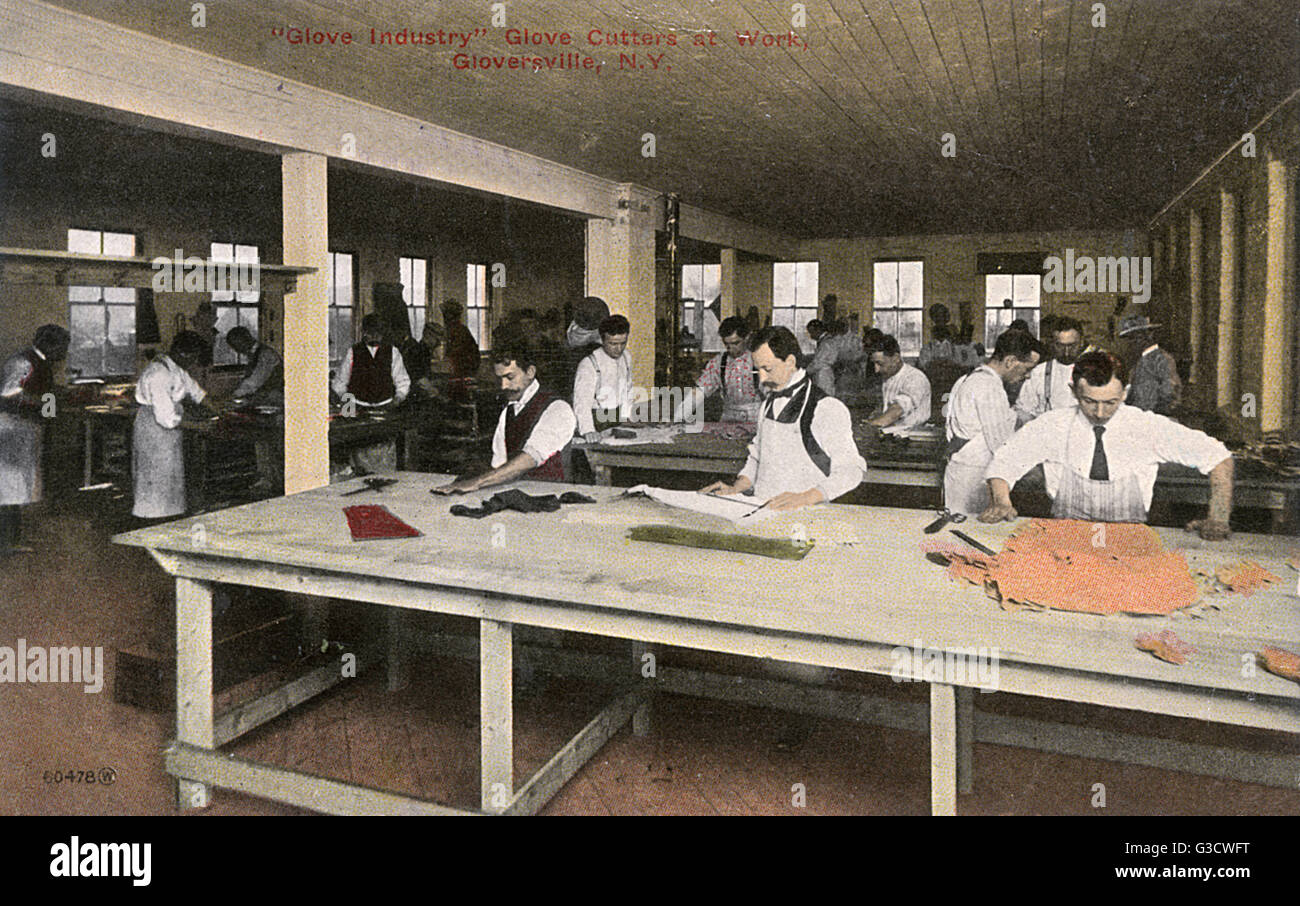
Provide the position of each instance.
(864, 589)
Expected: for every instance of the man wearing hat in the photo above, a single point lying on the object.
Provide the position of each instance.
(1155, 385)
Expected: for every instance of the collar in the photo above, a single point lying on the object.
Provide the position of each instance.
(1121, 415)
(795, 378)
(1150, 349)
(373, 350)
(529, 392)
(39, 353)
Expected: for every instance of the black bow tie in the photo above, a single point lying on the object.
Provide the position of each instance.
(788, 414)
(788, 391)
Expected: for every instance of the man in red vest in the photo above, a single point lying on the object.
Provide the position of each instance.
(533, 430)
(25, 378)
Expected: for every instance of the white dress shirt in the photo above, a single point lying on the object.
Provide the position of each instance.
(978, 411)
(778, 463)
(553, 430)
(834, 349)
(910, 389)
(16, 370)
(1136, 442)
(396, 368)
(163, 386)
(1032, 401)
(602, 382)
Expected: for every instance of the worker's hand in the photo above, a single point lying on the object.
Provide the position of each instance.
(1210, 529)
(719, 487)
(793, 501)
(591, 437)
(463, 486)
(998, 512)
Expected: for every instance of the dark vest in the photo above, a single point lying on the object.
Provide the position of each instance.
(372, 379)
(275, 383)
(520, 427)
(804, 411)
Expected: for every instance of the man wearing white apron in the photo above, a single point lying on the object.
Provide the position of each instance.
(602, 386)
(979, 420)
(1100, 458)
(157, 452)
(25, 378)
(1050, 385)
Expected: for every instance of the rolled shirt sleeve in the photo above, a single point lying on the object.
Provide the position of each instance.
(832, 428)
(343, 375)
(710, 380)
(401, 380)
(584, 395)
(267, 361)
(552, 431)
(1186, 446)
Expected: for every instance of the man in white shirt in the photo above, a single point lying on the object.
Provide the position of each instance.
(372, 371)
(1100, 458)
(1049, 386)
(534, 428)
(157, 457)
(602, 386)
(836, 365)
(979, 420)
(906, 388)
(803, 453)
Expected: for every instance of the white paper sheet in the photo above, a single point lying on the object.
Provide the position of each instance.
(741, 510)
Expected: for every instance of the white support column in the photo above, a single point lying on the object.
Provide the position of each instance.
(306, 323)
(943, 749)
(1226, 386)
(1279, 298)
(1195, 303)
(729, 301)
(621, 270)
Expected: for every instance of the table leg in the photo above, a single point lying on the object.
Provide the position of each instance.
(965, 739)
(88, 462)
(193, 680)
(943, 749)
(641, 716)
(604, 475)
(496, 714)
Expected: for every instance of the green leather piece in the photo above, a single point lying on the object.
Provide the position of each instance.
(779, 548)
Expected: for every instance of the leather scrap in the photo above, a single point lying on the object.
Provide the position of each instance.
(1166, 646)
(1280, 662)
(1066, 564)
(373, 521)
(519, 502)
(1246, 577)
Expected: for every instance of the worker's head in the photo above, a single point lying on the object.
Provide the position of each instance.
(1138, 333)
(188, 349)
(372, 329)
(1067, 340)
(432, 335)
(871, 338)
(735, 335)
(52, 340)
(515, 367)
(776, 356)
(1014, 354)
(815, 329)
(241, 340)
(613, 335)
(886, 357)
(451, 311)
(1099, 380)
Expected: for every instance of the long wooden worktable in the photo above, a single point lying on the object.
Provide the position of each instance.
(864, 590)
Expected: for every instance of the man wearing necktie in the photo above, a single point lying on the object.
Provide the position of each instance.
(803, 452)
(1100, 457)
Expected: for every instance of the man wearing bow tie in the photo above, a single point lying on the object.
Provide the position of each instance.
(803, 453)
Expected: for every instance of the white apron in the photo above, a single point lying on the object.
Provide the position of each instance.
(783, 461)
(1119, 500)
(740, 412)
(157, 467)
(964, 488)
(20, 460)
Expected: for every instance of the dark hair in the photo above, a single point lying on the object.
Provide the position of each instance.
(1097, 368)
(451, 308)
(50, 337)
(1015, 343)
(887, 345)
(1019, 324)
(1064, 324)
(190, 345)
(778, 339)
(614, 325)
(239, 332)
(517, 350)
(871, 339)
(815, 324)
(372, 323)
(735, 324)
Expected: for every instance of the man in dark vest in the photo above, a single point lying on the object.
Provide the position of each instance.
(25, 378)
(373, 371)
(533, 429)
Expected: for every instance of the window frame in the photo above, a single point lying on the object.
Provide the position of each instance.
(1016, 311)
(222, 355)
(789, 314)
(417, 314)
(907, 347)
(351, 307)
(482, 318)
(105, 304)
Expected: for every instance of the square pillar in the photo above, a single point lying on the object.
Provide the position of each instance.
(1225, 382)
(621, 270)
(1279, 298)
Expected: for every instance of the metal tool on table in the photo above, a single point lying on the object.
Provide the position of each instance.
(975, 544)
(373, 483)
(945, 516)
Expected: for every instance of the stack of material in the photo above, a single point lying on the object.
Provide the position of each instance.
(1079, 566)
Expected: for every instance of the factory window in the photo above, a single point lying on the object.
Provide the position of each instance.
(101, 318)
(701, 288)
(342, 301)
(897, 299)
(794, 298)
(476, 303)
(234, 308)
(415, 291)
(1007, 297)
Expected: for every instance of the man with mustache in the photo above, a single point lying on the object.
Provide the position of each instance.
(1050, 384)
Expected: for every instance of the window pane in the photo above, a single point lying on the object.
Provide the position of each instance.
(223, 251)
(86, 351)
(692, 280)
(710, 282)
(121, 244)
(784, 277)
(417, 318)
(710, 341)
(996, 320)
(886, 321)
(807, 284)
(910, 278)
(800, 328)
(246, 253)
(83, 294)
(227, 318)
(340, 333)
(119, 356)
(119, 295)
(783, 317)
(85, 242)
(341, 270)
(885, 286)
(909, 332)
(1030, 315)
(1026, 290)
(996, 288)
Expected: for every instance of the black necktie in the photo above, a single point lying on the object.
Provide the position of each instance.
(788, 392)
(511, 415)
(1100, 471)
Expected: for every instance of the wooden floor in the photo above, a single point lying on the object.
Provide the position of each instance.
(702, 757)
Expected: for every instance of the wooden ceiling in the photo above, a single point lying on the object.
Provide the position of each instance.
(1058, 123)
